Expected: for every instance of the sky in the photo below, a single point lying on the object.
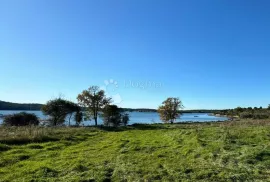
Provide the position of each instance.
(211, 54)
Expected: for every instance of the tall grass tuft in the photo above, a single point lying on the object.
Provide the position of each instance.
(25, 134)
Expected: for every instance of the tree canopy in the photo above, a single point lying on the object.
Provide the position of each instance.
(58, 109)
(112, 116)
(169, 111)
(94, 100)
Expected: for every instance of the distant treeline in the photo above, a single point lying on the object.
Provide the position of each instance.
(247, 113)
(16, 106)
(182, 111)
(201, 111)
(138, 110)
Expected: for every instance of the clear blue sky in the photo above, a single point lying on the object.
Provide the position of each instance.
(210, 53)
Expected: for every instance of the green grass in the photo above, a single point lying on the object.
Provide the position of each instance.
(231, 151)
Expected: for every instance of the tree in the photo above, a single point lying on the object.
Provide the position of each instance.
(112, 116)
(169, 111)
(73, 108)
(125, 119)
(250, 109)
(94, 100)
(58, 109)
(239, 110)
(78, 117)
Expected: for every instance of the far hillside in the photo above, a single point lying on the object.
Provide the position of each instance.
(36, 107)
(15, 106)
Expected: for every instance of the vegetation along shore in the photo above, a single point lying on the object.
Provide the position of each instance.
(236, 150)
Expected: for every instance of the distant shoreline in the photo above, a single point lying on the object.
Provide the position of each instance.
(9, 106)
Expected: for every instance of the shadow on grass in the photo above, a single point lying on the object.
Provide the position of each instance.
(159, 126)
(19, 136)
(132, 127)
(23, 141)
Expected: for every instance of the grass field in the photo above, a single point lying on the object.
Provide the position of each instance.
(230, 151)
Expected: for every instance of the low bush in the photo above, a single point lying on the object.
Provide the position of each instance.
(21, 119)
(255, 115)
(260, 116)
(246, 115)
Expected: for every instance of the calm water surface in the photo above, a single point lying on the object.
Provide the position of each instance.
(141, 117)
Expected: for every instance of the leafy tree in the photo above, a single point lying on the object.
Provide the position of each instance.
(94, 100)
(112, 116)
(169, 111)
(230, 112)
(239, 110)
(58, 109)
(249, 108)
(78, 117)
(21, 119)
(74, 108)
(125, 119)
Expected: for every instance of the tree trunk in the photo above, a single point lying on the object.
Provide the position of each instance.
(69, 119)
(95, 120)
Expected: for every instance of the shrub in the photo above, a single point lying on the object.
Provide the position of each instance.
(21, 119)
(246, 115)
(255, 115)
(260, 116)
